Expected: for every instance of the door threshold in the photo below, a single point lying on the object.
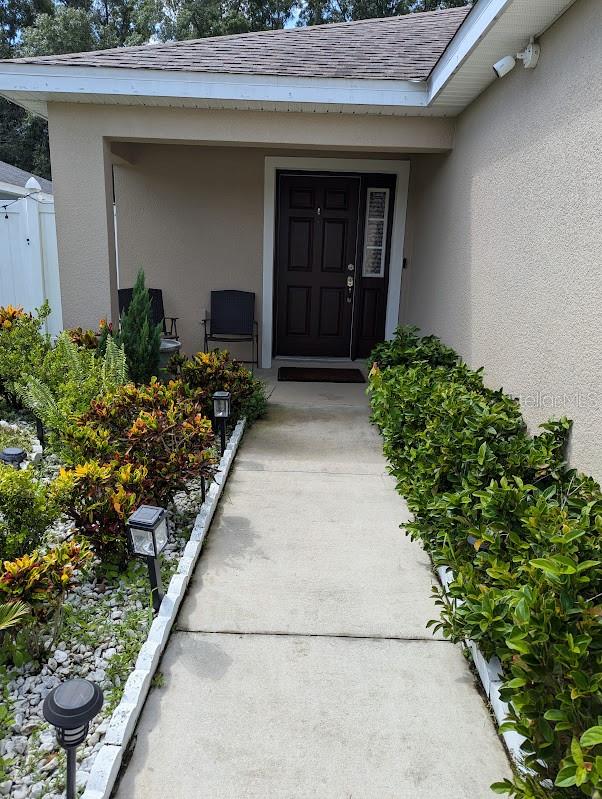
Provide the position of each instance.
(309, 359)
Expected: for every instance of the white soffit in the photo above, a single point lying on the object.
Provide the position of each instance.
(493, 29)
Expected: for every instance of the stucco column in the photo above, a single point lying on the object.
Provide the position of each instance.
(83, 191)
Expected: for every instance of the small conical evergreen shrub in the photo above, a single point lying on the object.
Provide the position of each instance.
(140, 338)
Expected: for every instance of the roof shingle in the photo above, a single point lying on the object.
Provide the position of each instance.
(401, 48)
(19, 177)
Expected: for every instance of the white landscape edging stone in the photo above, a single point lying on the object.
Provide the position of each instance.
(125, 716)
(491, 676)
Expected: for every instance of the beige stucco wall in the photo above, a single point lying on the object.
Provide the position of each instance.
(507, 246)
(187, 207)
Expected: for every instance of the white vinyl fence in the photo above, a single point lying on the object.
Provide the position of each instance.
(29, 268)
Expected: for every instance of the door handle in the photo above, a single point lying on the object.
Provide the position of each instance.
(350, 283)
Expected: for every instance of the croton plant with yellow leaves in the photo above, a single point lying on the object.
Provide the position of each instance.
(40, 582)
(10, 315)
(157, 426)
(137, 444)
(207, 372)
(99, 498)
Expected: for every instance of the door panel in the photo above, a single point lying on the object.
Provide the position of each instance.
(300, 244)
(317, 237)
(298, 310)
(334, 248)
(331, 307)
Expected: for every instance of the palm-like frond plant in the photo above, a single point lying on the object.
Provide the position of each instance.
(11, 613)
(70, 378)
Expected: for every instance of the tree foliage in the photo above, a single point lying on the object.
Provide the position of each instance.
(16, 16)
(192, 19)
(320, 12)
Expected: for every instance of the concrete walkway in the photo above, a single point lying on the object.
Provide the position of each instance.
(302, 666)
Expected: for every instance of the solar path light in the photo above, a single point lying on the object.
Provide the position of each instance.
(222, 401)
(70, 707)
(13, 456)
(148, 531)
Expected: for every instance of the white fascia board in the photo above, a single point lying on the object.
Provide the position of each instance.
(42, 80)
(479, 21)
(10, 188)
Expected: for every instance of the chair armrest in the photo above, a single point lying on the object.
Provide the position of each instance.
(173, 325)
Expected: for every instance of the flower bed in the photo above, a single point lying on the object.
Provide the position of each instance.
(73, 603)
(107, 618)
(521, 533)
(107, 622)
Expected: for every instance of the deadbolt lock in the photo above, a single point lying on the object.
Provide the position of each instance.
(351, 267)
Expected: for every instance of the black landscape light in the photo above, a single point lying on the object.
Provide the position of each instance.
(13, 456)
(221, 412)
(148, 531)
(70, 707)
(40, 432)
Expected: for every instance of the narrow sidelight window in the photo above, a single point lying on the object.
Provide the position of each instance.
(375, 236)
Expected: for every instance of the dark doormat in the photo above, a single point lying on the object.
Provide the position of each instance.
(313, 374)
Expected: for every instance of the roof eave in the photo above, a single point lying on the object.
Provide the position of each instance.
(36, 83)
(492, 29)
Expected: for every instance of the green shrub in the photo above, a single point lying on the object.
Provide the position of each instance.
(521, 532)
(140, 338)
(208, 372)
(158, 426)
(27, 508)
(409, 349)
(22, 347)
(99, 498)
(68, 378)
(41, 582)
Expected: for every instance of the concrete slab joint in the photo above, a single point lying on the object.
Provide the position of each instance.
(125, 716)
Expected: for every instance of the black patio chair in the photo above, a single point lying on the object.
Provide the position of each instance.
(232, 320)
(170, 330)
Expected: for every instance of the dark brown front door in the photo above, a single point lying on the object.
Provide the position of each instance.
(316, 252)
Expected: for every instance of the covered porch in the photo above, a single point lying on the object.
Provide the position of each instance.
(308, 212)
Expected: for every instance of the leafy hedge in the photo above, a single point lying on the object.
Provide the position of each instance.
(521, 532)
